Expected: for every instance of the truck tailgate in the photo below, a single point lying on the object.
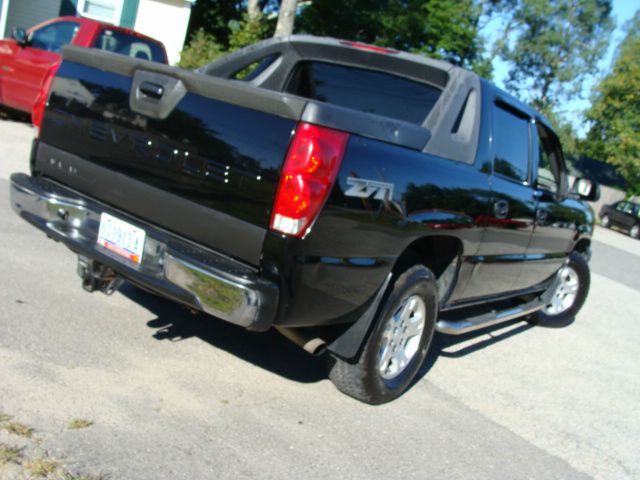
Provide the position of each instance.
(196, 155)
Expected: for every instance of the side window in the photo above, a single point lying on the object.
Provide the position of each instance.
(620, 206)
(550, 164)
(511, 140)
(628, 208)
(53, 37)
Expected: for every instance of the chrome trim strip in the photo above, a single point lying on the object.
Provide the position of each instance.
(459, 327)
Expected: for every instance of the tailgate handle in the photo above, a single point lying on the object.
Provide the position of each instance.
(154, 94)
(152, 90)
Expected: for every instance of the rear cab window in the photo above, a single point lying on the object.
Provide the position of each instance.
(116, 41)
(364, 90)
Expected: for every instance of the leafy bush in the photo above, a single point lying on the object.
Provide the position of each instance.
(248, 31)
(202, 49)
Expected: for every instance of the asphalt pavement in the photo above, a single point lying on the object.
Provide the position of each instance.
(173, 395)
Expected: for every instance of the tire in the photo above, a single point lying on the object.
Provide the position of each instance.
(566, 295)
(635, 231)
(379, 375)
(606, 221)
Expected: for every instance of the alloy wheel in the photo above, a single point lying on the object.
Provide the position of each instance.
(401, 337)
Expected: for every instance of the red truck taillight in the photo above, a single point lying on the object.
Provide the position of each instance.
(37, 112)
(309, 172)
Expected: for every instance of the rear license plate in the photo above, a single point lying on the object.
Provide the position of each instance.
(121, 238)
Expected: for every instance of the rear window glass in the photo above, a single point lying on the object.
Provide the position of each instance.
(126, 44)
(364, 90)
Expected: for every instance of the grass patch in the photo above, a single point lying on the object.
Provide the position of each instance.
(18, 428)
(78, 423)
(9, 454)
(42, 467)
(4, 417)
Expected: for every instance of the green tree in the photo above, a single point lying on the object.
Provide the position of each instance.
(250, 30)
(212, 17)
(615, 112)
(202, 49)
(445, 29)
(242, 28)
(552, 46)
(286, 18)
(221, 18)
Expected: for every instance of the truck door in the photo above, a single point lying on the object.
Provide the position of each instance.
(554, 223)
(509, 226)
(27, 68)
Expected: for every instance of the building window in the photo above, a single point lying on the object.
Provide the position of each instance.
(109, 11)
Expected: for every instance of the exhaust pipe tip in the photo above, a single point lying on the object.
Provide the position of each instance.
(311, 344)
(315, 346)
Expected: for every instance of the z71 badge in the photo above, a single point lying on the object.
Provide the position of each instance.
(362, 188)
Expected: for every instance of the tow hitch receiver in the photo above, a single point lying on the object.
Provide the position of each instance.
(96, 276)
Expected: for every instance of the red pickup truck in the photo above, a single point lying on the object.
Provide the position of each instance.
(29, 57)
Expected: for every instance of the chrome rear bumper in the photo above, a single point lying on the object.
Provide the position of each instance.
(171, 266)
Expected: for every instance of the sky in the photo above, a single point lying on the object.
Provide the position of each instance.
(623, 10)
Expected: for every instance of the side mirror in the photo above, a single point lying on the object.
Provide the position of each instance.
(586, 189)
(20, 36)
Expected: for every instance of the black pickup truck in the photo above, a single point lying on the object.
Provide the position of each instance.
(355, 198)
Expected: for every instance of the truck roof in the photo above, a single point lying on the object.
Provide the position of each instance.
(452, 125)
(454, 80)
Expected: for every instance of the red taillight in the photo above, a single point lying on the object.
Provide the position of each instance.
(371, 48)
(41, 100)
(308, 174)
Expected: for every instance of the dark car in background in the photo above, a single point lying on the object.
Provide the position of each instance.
(624, 215)
(30, 57)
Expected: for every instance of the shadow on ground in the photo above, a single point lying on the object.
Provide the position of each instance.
(14, 115)
(457, 346)
(276, 354)
(268, 350)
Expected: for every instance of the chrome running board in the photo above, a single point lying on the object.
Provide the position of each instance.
(488, 319)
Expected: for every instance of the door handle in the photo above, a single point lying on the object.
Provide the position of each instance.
(541, 216)
(152, 90)
(501, 209)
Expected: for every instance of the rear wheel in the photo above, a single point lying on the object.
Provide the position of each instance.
(398, 344)
(606, 221)
(635, 231)
(566, 295)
